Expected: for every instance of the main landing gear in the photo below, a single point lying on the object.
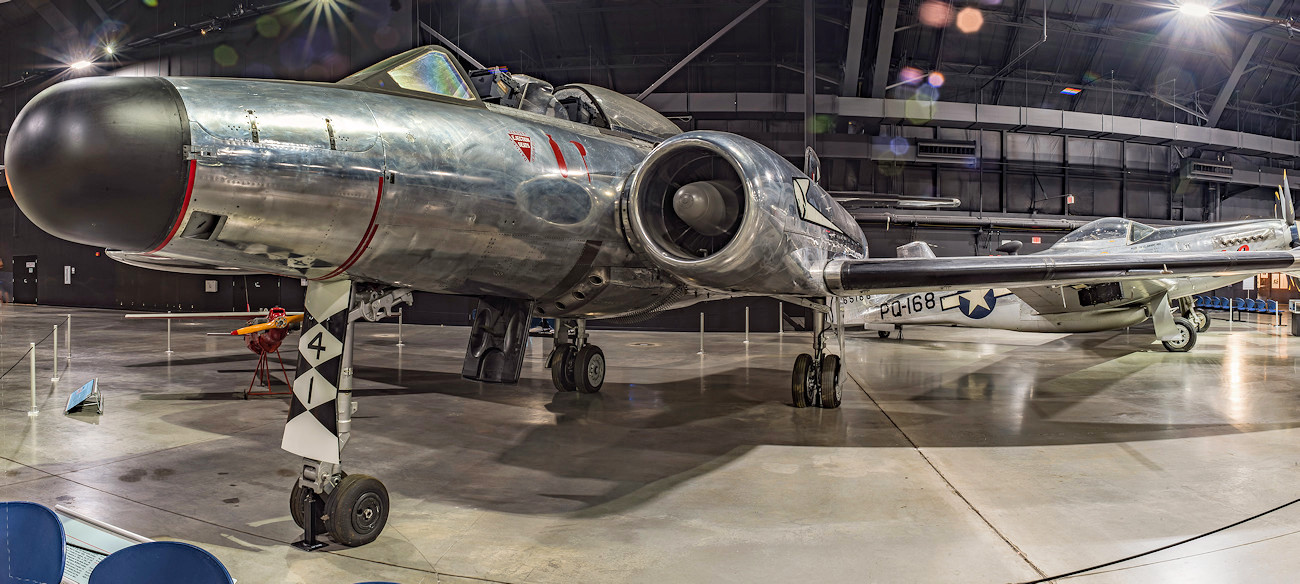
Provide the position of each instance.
(1199, 318)
(1186, 337)
(816, 379)
(351, 508)
(575, 363)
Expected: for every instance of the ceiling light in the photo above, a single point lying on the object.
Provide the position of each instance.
(108, 49)
(1193, 9)
(80, 65)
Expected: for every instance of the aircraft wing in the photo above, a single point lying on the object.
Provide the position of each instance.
(152, 262)
(896, 275)
(1055, 299)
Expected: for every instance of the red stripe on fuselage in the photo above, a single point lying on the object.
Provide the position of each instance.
(365, 238)
(185, 205)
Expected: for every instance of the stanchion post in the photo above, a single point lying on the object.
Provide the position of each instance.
(400, 343)
(169, 334)
(746, 325)
(55, 375)
(780, 318)
(701, 334)
(69, 335)
(31, 350)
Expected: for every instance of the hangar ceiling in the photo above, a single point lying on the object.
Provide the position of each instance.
(1129, 58)
(1231, 68)
(1234, 68)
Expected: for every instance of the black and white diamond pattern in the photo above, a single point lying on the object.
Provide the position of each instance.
(312, 429)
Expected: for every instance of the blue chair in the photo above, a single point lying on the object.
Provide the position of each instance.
(33, 544)
(160, 562)
(1220, 303)
(1248, 305)
(1241, 304)
(1272, 307)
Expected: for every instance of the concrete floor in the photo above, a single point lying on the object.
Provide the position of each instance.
(971, 456)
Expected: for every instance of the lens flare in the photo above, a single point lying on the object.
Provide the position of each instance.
(268, 26)
(970, 20)
(225, 55)
(910, 75)
(936, 14)
(333, 12)
(899, 145)
(936, 79)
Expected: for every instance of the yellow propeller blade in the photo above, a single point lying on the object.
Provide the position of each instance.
(266, 326)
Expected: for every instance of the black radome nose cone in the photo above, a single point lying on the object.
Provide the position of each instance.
(100, 161)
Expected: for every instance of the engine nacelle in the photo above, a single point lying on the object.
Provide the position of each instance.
(720, 211)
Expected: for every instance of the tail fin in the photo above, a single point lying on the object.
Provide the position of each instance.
(812, 165)
(1288, 210)
(1288, 204)
(916, 249)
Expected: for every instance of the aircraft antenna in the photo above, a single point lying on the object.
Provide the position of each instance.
(446, 42)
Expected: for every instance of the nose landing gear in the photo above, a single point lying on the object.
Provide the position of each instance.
(352, 509)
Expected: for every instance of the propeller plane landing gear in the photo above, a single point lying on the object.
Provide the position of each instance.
(816, 377)
(576, 364)
(1199, 318)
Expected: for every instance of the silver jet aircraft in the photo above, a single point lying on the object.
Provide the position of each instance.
(1090, 307)
(571, 203)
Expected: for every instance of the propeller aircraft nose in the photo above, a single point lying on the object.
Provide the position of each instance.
(100, 161)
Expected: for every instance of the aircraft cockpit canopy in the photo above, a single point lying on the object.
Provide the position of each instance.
(605, 108)
(1109, 230)
(433, 73)
(428, 72)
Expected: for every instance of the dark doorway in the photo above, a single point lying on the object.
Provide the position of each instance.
(25, 279)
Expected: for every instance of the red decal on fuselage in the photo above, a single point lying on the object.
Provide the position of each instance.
(559, 157)
(185, 205)
(583, 153)
(1244, 247)
(524, 144)
(366, 237)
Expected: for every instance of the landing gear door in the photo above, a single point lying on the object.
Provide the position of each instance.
(497, 340)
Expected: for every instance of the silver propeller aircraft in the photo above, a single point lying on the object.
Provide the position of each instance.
(571, 203)
(1091, 307)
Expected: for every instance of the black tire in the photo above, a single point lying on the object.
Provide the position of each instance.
(831, 391)
(803, 381)
(882, 334)
(1188, 332)
(357, 510)
(589, 369)
(298, 510)
(1203, 321)
(562, 367)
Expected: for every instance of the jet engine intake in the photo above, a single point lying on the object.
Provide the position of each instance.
(719, 211)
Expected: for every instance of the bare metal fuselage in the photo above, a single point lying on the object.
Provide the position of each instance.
(461, 200)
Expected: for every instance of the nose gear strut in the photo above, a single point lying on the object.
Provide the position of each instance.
(352, 509)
